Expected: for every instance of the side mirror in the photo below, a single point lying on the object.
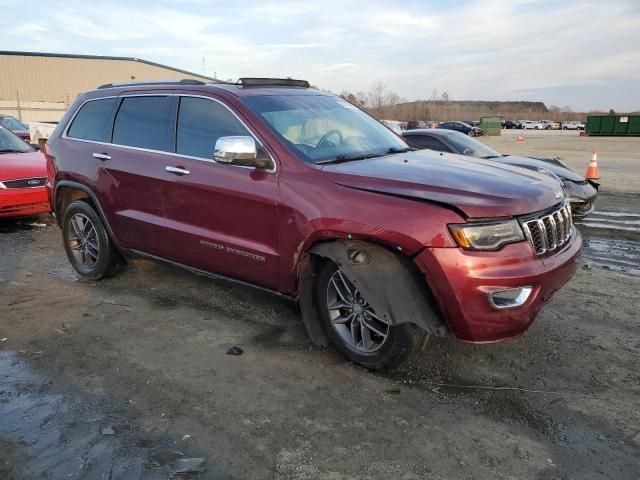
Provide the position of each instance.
(240, 151)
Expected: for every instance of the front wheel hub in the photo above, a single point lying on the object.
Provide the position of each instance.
(353, 319)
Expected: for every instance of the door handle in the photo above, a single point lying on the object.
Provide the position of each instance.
(177, 170)
(101, 156)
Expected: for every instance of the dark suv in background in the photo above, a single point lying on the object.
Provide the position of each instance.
(293, 190)
(462, 127)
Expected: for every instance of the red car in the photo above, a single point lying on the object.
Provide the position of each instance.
(294, 190)
(23, 174)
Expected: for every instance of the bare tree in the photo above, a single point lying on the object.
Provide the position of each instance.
(378, 94)
(351, 98)
(362, 99)
(445, 97)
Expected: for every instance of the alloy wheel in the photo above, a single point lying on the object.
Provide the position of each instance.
(351, 316)
(83, 240)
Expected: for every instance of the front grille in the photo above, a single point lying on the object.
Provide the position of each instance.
(25, 182)
(549, 231)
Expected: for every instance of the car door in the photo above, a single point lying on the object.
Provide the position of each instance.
(132, 170)
(458, 127)
(219, 218)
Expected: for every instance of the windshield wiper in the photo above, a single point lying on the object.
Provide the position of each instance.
(400, 150)
(350, 158)
(362, 156)
(10, 150)
(490, 157)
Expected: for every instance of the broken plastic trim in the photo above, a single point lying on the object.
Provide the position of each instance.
(390, 282)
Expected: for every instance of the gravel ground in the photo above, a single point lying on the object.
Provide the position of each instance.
(119, 379)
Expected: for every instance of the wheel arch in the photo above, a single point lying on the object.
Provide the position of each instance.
(372, 265)
(67, 191)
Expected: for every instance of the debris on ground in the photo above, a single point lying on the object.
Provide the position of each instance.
(188, 465)
(235, 351)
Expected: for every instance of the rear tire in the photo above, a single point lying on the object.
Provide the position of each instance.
(87, 243)
(391, 347)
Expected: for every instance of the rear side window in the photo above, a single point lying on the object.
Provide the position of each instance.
(92, 121)
(426, 142)
(143, 122)
(201, 123)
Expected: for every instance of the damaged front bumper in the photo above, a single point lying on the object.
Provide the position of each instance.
(463, 282)
(582, 196)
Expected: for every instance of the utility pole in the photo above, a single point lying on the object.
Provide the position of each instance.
(18, 105)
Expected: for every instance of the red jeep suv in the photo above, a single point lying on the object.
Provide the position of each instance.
(274, 184)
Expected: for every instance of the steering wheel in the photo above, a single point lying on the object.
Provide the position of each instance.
(329, 134)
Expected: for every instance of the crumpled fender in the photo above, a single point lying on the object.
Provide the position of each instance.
(390, 282)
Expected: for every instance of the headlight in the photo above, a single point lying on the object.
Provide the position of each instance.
(487, 236)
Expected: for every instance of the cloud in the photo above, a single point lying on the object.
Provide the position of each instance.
(484, 49)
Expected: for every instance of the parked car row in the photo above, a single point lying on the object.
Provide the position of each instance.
(542, 125)
(463, 127)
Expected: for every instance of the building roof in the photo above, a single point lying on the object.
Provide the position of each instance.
(102, 57)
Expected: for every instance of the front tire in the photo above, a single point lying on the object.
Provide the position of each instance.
(355, 330)
(86, 241)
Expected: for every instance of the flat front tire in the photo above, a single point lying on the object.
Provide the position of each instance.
(87, 243)
(354, 328)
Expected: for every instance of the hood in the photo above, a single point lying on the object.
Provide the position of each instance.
(478, 188)
(22, 165)
(533, 163)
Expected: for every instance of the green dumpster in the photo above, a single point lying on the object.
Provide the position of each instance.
(491, 125)
(613, 125)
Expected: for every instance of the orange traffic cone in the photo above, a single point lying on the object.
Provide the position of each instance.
(593, 172)
(521, 137)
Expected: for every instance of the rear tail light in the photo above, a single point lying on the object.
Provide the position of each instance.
(51, 167)
(51, 172)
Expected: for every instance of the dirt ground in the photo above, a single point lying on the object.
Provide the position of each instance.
(119, 379)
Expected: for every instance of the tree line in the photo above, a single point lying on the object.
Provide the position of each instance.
(385, 104)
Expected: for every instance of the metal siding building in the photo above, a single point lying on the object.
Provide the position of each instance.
(40, 86)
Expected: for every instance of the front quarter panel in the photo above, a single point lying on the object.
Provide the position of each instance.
(314, 209)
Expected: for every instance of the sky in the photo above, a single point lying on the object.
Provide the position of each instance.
(582, 54)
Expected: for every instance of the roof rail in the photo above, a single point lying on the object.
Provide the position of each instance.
(184, 81)
(273, 82)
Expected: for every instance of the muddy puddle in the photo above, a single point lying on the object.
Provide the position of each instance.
(612, 254)
(48, 434)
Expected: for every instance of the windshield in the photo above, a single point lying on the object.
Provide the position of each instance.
(12, 123)
(470, 147)
(321, 128)
(9, 143)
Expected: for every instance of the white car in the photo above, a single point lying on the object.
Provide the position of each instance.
(550, 125)
(572, 125)
(532, 125)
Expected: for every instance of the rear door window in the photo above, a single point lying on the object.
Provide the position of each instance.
(92, 122)
(426, 142)
(201, 123)
(144, 122)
